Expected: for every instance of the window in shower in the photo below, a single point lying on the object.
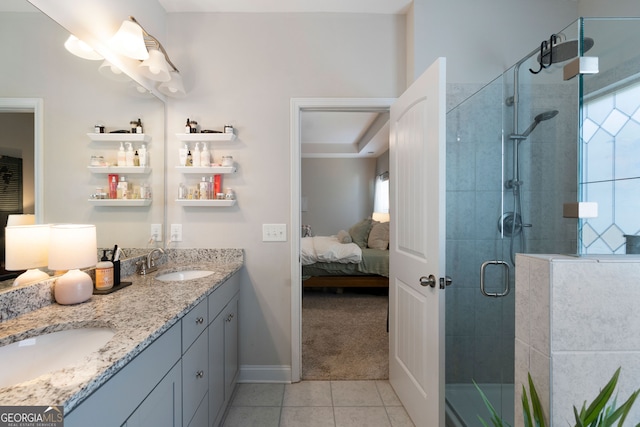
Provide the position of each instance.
(611, 169)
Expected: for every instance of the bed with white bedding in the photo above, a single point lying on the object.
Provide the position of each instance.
(358, 258)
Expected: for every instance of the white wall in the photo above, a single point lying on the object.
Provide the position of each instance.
(243, 69)
(615, 8)
(339, 193)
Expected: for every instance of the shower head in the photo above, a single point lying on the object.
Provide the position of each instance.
(537, 119)
(564, 50)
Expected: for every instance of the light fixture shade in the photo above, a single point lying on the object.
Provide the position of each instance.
(129, 41)
(112, 72)
(81, 49)
(21, 219)
(72, 246)
(173, 87)
(27, 246)
(155, 67)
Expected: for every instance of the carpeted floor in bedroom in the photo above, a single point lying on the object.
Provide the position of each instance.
(344, 334)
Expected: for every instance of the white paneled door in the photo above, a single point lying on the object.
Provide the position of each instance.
(417, 244)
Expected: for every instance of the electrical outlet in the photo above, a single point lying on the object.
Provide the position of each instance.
(156, 232)
(274, 232)
(176, 232)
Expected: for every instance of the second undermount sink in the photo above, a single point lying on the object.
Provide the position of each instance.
(179, 276)
(28, 359)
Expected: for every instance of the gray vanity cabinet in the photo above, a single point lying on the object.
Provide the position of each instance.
(184, 378)
(223, 348)
(150, 381)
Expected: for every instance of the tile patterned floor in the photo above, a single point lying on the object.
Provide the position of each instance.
(317, 404)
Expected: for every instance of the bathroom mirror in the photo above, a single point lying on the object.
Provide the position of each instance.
(75, 97)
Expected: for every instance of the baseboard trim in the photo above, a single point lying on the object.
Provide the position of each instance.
(265, 374)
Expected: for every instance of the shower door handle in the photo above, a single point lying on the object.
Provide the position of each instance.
(483, 269)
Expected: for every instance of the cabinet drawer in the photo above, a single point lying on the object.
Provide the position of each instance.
(195, 377)
(219, 298)
(193, 323)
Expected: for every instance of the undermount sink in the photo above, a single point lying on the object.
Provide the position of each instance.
(28, 359)
(179, 276)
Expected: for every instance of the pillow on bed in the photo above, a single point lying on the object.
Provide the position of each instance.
(379, 236)
(360, 232)
(344, 237)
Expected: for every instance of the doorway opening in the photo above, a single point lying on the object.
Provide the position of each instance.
(300, 106)
(21, 154)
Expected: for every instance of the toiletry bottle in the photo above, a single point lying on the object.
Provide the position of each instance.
(136, 159)
(139, 126)
(217, 183)
(189, 159)
(142, 152)
(187, 128)
(104, 273)
(204, 189)
(123, 188)
(205, 159)
(182, 153)
(196, 155)
(122, 157)
(113, 186)
(212, 194)
(129, 155)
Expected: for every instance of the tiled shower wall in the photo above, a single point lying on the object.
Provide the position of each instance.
(576, 323)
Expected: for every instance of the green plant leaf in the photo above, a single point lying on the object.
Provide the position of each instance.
(495, 418)
(595, 409)
(538, 413)
(526, 411)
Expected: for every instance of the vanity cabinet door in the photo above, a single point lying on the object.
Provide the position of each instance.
(216, 368)
(195, 377)
(230, 346)
(162, 406)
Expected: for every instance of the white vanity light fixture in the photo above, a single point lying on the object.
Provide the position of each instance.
(81, 49)
(174, 87)
(27, 248)
(155, 67)
(112, 72)
(129, 40)
(72, 247)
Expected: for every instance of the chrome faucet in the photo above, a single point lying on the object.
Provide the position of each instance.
(148, 265)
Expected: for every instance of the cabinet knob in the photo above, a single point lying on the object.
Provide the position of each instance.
(200, 320)
(200, 374)
(229, 317)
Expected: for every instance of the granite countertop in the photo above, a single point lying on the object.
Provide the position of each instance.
(139, 314)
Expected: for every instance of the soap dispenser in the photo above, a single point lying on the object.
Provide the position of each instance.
(104, 273)
(182, 153)
(196, 155)
(129, 155)
(205, 159)
(142, 152)
(122, 159)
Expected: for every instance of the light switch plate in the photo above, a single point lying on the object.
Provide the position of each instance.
(274, 232)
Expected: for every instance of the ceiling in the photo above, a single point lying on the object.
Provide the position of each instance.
(284, 6)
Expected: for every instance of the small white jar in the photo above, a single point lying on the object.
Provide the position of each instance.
(227, 161)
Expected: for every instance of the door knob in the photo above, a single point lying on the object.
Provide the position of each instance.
(428, 281)
(445, 281)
